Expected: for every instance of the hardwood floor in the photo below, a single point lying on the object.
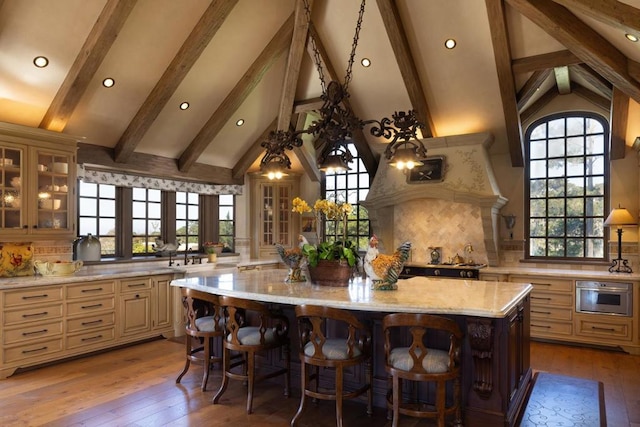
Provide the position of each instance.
(135, 386)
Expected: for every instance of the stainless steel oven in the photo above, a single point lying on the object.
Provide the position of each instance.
(604, 297)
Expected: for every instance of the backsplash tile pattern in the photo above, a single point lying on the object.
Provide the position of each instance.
(440, 223)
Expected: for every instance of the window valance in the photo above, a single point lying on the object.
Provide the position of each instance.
(129, 180)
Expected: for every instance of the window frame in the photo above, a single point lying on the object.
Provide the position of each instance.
(585, 115)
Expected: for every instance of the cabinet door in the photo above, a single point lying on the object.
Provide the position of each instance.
(162, 302)
(54, 173)
(135, 313)
(13, 219)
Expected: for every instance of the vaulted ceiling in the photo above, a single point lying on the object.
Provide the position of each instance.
(253, 60)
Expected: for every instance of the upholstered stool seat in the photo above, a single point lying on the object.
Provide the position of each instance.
(433, 355)
(203, 323)
(345, 343)
(268, 330)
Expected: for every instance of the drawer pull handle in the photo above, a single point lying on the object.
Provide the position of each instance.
(137, 285)
(42, 331)
(84, 307)
(542, 298)
(92, 290)
(93, 322)
(540, 312)
(35, 296)
(541, 326)
(35, 350)
(97, 337)
(541, 284)
(44, 313)
(595, 328)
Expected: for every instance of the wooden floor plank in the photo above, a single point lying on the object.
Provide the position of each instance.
(135, 387)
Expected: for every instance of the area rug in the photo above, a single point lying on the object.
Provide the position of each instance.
(558, 400)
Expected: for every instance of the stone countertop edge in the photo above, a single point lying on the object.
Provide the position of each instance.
(477, 298)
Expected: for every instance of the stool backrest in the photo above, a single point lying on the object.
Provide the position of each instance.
(200, 304)
(420, 325)
(241, 312)
(312, 325)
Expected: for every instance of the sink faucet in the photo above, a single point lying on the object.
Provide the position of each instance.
(186, 255)
(170, 260)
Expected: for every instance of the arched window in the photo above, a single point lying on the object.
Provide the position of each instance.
(566, 187)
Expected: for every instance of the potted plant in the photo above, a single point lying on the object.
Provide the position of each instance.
(212, 249)
(330, 262)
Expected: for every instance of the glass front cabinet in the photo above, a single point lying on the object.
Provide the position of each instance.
(37, 183)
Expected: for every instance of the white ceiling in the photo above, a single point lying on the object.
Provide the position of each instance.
(461, 86)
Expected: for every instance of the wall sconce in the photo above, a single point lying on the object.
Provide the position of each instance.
(405, 151)
(275, 163)
(510, 222)
(620, 217)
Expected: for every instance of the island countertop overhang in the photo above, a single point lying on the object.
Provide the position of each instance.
(418, 294)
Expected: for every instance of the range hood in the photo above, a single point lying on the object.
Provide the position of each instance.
(462, 208)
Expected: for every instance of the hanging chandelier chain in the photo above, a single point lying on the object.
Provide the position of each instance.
(316, 53)
(352, 56)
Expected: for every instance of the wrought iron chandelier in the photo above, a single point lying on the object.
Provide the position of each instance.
(334, 130)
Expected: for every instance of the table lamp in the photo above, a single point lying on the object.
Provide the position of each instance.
(620, 217)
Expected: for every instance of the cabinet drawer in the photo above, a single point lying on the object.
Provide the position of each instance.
(30, 351)
(544, 284)
(32, 296)
(90, 322)
(611, 327)
(33, 332)
(546, 299)
(26, 314)
(545, 328)
(90, 338)
(90, 289)
(88, 306)
(551, 313)
(135, 284)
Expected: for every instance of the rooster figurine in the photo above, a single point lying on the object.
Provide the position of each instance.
(383, 270)
(293, 259)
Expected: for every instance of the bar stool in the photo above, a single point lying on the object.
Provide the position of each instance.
(204, 324)
(349, 346)
(417, 362)
(269, 330)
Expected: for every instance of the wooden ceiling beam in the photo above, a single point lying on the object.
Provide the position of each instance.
(202, 33)
(544, 61)
(408, 70)
(531, 86)
(539, 103)
(93, 51)
(305, 155)
(593, 79)
(294, 60)
(276, 47)
(255, 150)
(502, 54)
(562, 80)
(367, 156)
(610, 12)
(307, 105)
(618, 119)
(582, 40)
(596, 99)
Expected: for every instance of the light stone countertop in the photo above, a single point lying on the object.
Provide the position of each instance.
(564, 273)
(418, 294)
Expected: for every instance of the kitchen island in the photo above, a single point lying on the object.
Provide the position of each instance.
(494, 317)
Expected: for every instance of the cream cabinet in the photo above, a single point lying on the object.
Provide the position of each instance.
(552, 302)
(273, 221)
(42, 324)
(37, 183)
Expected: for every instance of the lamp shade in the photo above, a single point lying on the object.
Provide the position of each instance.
(620, 217)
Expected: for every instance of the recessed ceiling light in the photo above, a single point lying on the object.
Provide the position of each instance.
(631, 37)
(108, 82)
(240, 122)
(184, 105)
(40, 61)
(366, 62)
(450, 43)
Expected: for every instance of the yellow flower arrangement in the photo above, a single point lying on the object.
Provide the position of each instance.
(338, 249)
